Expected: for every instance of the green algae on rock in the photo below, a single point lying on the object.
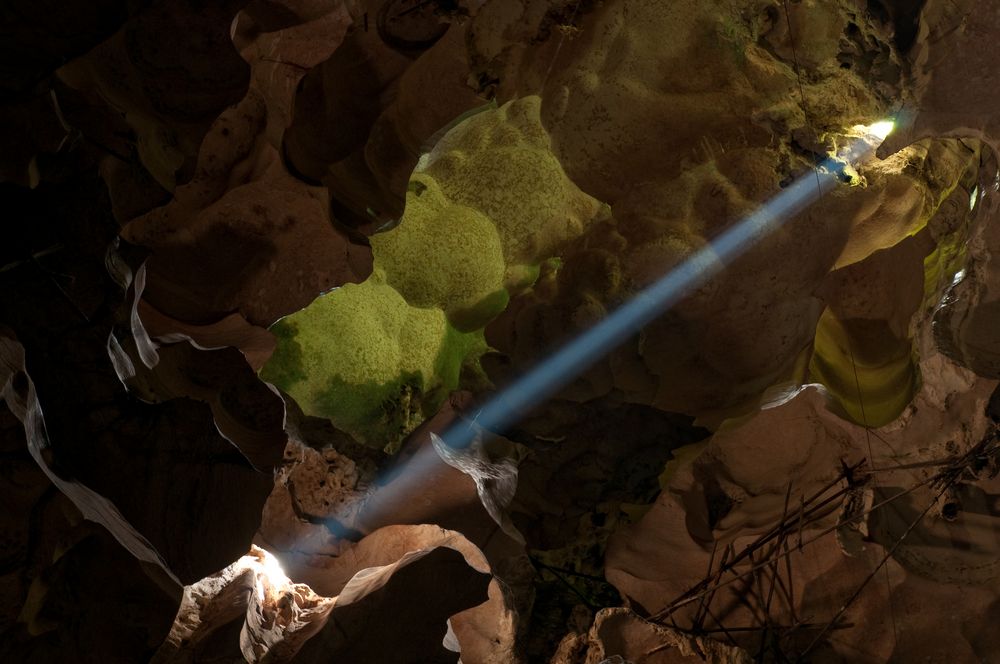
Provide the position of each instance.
(444, 255)
(486, 207)
(500, 162)
(368, 361)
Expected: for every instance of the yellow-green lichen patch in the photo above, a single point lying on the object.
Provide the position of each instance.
(444, 255)
(368, 361)
(501, 164)
(484, 209)
(869, 370)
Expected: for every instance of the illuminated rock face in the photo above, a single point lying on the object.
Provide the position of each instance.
(390, 209)
(485, 208)
(682, 153)
(368, 360)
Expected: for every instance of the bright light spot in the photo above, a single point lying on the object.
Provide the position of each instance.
(881, 129)
(272, 569)
(874, 134)
(972, 198)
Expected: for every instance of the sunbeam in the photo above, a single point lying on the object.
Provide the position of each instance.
(559, 369)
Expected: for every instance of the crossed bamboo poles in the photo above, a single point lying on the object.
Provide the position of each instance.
(776, 545)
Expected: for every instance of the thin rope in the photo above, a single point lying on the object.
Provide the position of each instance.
(695, 595)
(885, 559)
(875, 483)
(798, 78)
(555, 55)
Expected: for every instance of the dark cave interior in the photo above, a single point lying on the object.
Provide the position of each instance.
(260, 257)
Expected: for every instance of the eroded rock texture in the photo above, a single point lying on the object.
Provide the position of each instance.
(260, 255)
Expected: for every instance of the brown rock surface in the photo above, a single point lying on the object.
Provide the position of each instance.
(554, 158)
(372, 603)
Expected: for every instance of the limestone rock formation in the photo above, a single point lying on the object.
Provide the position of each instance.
(262, 256)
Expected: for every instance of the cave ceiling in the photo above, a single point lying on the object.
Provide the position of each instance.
(262, 258)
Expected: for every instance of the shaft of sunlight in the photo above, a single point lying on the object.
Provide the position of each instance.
(557, 370)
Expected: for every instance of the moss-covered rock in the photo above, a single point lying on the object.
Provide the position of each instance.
(444, 255)
(484, 209)
(501, 163)
(367, 360)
